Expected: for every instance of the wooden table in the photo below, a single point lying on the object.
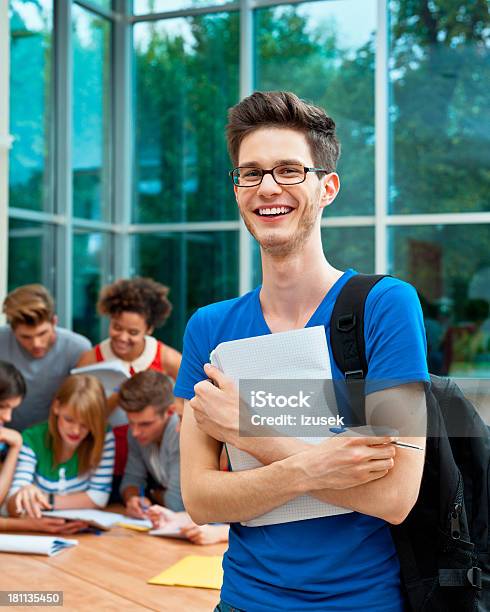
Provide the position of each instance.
(109, 572)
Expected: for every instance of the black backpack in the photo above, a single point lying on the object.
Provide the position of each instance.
(443, 545)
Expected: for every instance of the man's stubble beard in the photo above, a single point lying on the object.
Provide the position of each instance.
(298, 240)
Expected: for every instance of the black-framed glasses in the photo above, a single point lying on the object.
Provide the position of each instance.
(284, 174)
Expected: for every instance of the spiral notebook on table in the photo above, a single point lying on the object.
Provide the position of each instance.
(297, 354)
(34, 545)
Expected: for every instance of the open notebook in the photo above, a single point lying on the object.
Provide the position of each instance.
(111, 374)
(297, 354)
(97, 518)
(34, 545)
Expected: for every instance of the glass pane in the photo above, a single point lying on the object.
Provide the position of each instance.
(349, 247)
(91, 269)
(141, 7)
(450, 267)
(325, 52)
(91, 115)
(440, 70)
(199, 267)
(31, 24)
(344, 247)
(103, 4)
(186, 79)
(31, 254)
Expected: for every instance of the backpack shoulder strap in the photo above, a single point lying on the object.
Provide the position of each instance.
(347, 325)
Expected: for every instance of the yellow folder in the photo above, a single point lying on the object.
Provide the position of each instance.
(193, 571)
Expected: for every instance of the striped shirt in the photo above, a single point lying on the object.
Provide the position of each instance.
(35, 466)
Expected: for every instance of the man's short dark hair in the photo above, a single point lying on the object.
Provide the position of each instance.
(148, 388)
(283, 109)
(12, 383)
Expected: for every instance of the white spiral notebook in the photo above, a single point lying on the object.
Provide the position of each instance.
(296, 354)
(34, 545)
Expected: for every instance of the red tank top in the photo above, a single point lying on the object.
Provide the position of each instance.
(156, 364)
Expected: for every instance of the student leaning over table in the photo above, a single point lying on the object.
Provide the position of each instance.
(43, 352)
(12, 391)
(66, 462)
(154, 454)
(153, 441)
(285, 152)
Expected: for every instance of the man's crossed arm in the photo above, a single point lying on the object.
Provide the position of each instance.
(367, 474)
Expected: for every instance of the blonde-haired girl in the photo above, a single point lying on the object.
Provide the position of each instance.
(67, 461)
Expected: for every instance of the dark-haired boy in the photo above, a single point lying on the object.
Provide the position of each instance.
(43, 352)
(285, 152)
(153, 441)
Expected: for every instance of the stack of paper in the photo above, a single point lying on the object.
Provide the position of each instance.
(298, 354)
(34, 545)
(193, 571)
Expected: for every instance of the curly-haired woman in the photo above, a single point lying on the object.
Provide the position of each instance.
(135, 307)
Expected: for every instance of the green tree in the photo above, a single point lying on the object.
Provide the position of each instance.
(441, 71)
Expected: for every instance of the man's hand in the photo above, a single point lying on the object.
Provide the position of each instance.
(216, 406)
(346, 461)
(205, 534)
(10, 437)
(137, 506)
(31, 500)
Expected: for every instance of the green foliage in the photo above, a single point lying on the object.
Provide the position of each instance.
(187, 78)
(441, 71)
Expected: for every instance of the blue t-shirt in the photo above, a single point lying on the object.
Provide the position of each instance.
(345, 562)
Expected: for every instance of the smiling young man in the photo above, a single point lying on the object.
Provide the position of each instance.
(285, 152)
(43, 352)
(153, 442)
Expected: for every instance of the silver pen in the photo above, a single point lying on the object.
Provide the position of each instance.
(407, 445)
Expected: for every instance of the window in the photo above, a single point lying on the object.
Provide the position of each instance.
(31, 103)
(186, 79)
(31, 254)
(199, 267)
(91, 270)
(439, 75)
(156, 6)
(450, 267)
(91, 113)
(138, 182)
